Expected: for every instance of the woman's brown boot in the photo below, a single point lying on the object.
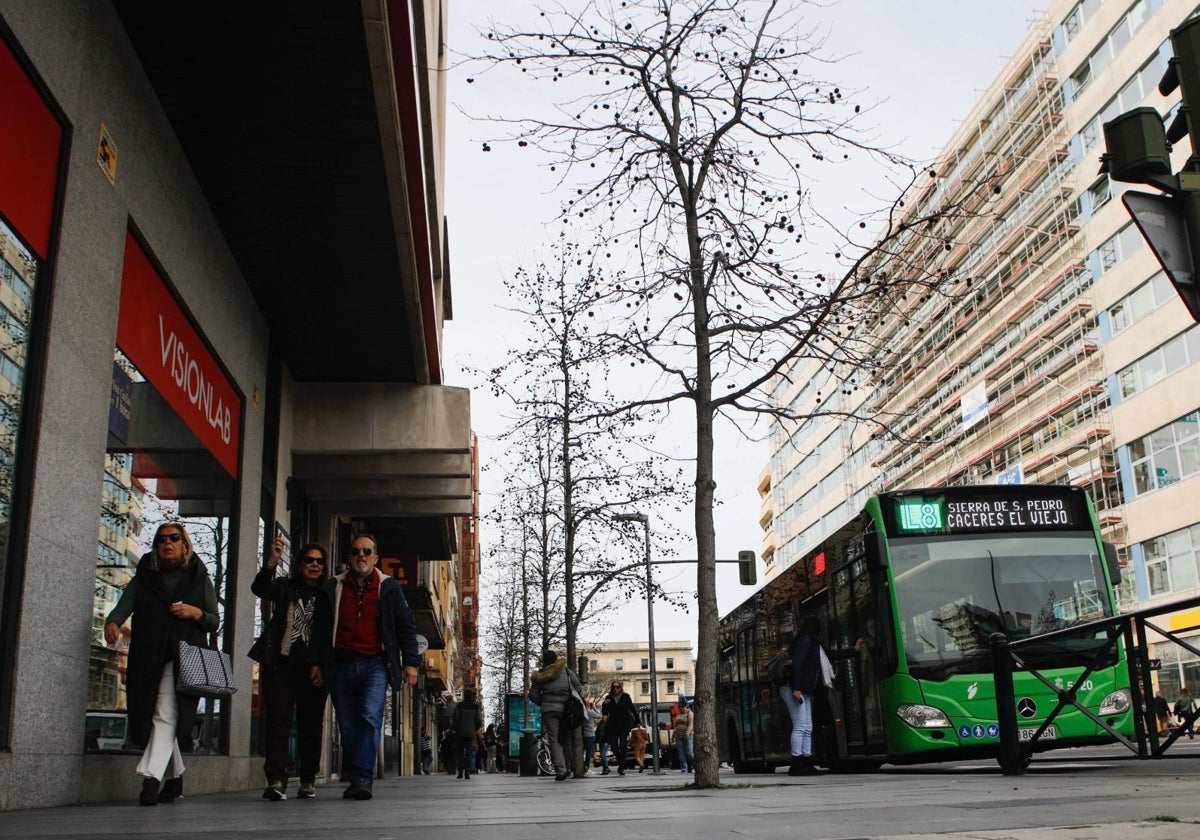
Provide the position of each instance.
(171, 790)
(149, 794)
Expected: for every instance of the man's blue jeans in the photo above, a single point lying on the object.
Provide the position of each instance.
(359, 691)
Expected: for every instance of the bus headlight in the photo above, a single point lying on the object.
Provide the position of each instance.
(1116, 703)
(922, 717)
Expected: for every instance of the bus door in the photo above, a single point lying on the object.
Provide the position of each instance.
(857, 616)
(749, 707)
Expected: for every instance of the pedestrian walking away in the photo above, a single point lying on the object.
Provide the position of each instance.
(591, 719)
(549, 688)
(467, 720)
(490, 742)
(1184, 706)
(365, 642)
(171, 600)
(289, 685)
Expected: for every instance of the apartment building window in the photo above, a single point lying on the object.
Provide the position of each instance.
(1160, 363)
(645, 686)
(620, 665)
(1135, 90)
(1119, 246)
(1141, 302)
(1099, 194)
(670, 686)
(645, 666)
(670, 662)
(593, 665)
(1116, 40)
(1171, 561)
(1166, 455)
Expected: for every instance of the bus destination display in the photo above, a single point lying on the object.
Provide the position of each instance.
(983, 513)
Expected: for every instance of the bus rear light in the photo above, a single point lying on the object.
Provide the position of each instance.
(1116, 703)
(922, 717)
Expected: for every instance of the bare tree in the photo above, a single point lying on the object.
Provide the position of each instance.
(694, 132)
(598, 460)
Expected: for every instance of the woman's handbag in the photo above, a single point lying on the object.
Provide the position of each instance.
(258, 650)
(779, 667)
(204, 672)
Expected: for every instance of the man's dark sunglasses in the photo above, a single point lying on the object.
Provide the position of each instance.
(162, 538)
(318, 559)
(365, 551)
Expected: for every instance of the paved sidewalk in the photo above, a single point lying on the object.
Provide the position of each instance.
(1066, 798)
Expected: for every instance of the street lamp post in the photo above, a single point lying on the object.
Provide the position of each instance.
(645, 520)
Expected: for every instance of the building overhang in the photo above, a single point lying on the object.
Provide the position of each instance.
(308, 126)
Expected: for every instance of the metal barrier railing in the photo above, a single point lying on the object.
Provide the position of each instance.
(1129, 628)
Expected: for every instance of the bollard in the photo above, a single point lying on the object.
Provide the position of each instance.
(1006, 707)
(528, 753)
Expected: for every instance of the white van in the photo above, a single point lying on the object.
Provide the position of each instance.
(105, 730)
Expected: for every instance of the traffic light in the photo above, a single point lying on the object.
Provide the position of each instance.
(1138, 150)
(747, 568)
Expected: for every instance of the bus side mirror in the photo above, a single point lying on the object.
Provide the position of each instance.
(876, 552)
(1110, 560)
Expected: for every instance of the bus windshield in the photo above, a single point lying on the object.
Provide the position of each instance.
(952, 593)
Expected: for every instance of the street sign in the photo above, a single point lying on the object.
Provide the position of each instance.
(1162, 222)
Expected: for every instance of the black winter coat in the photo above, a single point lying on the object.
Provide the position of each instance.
(620, 715)
(154, 641)
(806, 664)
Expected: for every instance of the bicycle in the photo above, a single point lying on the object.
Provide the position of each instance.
(544, 761)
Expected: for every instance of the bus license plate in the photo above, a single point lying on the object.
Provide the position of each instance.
(1026, 733)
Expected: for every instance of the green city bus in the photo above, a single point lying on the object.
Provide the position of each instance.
(924, 578)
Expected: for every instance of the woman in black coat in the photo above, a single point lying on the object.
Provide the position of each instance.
(619, 716)
(171, 600)
(287, 680)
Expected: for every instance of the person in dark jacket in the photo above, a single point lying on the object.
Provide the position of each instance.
(619, 717)
(171, 600)
(811, 670)
(285, 673)
(365, 640)
(467, 721)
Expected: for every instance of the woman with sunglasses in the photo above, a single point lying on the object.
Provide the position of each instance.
(288, 682)
(171, 600)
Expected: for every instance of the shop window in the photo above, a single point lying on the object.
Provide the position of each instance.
(173, 436)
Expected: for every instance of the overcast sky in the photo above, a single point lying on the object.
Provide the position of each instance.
(925, 61)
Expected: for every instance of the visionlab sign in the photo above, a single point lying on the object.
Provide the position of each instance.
(158, 337)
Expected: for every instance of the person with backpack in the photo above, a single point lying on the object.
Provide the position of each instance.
(1183, 707)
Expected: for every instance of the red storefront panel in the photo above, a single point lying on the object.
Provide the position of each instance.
(158, 337)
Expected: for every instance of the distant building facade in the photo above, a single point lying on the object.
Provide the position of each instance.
(629, 664)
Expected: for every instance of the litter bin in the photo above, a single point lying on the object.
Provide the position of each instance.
(528, 756)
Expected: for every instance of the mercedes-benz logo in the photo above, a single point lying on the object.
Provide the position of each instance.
(1026, 708)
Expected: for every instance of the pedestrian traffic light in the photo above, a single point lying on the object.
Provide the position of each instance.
(1138, 150)
(747, 568)
(1137, 147)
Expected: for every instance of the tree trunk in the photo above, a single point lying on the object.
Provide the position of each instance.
(705, 737)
